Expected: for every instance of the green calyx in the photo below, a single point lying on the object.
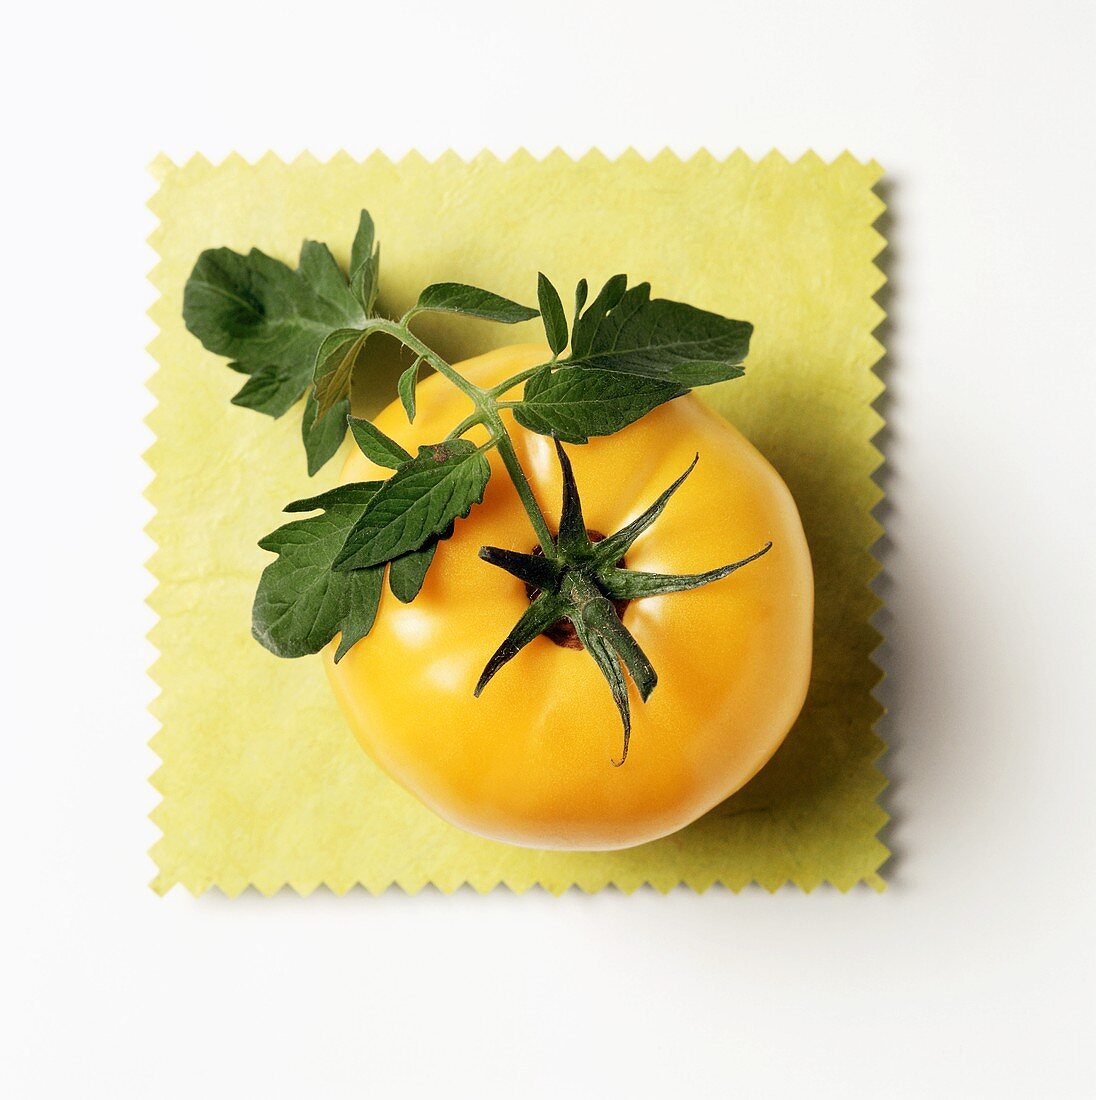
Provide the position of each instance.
(584, 586)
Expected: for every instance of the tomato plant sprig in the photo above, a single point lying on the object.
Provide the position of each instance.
(300, 333)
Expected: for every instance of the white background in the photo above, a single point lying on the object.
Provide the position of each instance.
(973, 975)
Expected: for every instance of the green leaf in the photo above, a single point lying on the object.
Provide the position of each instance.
(470, 300)
(542, 614)
(301, 604)
(407, 573)
(629, 354)
(577, 403)
(581, 291)
(340, 499)
(376, 446)
(627, 332)
(365, 601)
(365, 282)
(365, 264)
(362, 248)
(551, 313)
(628, 584)
(406, 389)
(322, 435)
(268, 318)
(335, 361)
(421, 499)
(321, 271)
(586, 325)
(270, 389)
(609, 551)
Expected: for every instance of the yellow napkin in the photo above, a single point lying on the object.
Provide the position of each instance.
(262, 782)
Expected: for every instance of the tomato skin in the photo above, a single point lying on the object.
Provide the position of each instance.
(529, 762)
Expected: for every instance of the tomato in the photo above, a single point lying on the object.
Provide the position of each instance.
(530, 761)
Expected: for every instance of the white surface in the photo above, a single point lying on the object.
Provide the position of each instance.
(973, 974)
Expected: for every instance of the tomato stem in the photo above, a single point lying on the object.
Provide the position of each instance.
(525, 490)
(515, 380)
(469, 422)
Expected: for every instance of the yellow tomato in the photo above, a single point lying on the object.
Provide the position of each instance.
(530, 761)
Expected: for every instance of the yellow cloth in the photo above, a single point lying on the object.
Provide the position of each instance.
(262, 782)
